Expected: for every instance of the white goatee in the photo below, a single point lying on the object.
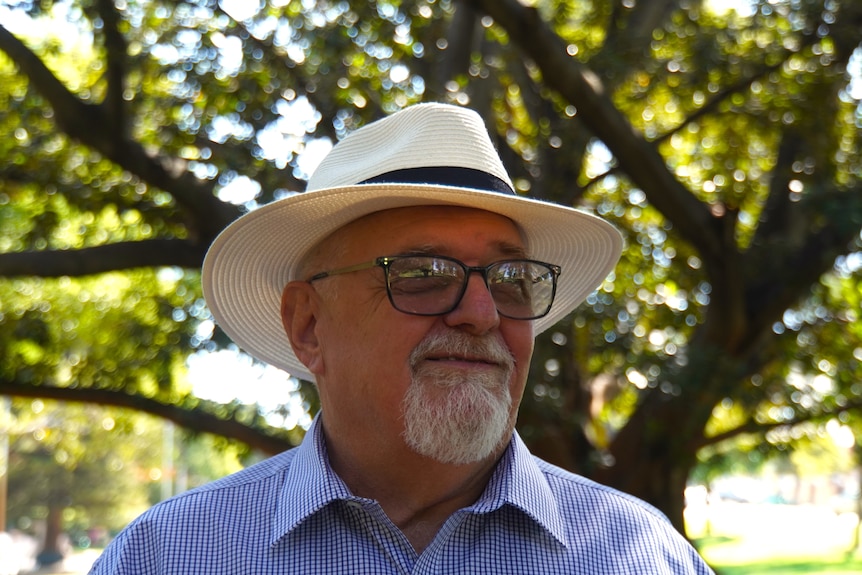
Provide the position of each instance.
(456, 416)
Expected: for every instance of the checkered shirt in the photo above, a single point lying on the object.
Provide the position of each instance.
(293, 514)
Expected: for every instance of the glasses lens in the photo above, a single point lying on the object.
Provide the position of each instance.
(425, 285)
(522, 289)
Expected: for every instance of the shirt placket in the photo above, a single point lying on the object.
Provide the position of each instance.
(391, 541)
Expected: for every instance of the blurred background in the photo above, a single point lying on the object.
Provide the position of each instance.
(717, 373)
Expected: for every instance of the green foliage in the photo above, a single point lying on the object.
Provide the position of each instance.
(729, 160)
(110, 331)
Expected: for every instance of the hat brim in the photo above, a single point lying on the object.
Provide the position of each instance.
(251, 261)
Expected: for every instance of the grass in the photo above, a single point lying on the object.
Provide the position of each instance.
(770, 539)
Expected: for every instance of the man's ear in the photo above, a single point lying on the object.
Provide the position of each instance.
(299, 310)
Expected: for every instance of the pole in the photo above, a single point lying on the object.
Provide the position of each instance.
(5, 429)
(167, 460)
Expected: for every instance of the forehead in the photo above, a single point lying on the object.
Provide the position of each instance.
(436, 226)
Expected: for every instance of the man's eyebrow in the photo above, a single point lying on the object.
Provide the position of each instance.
(511, 249)
(421, 250)
(506, 249)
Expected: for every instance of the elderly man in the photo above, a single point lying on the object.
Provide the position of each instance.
(408, 283)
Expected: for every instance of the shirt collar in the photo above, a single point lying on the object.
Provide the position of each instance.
(310, 485)
(517, 481)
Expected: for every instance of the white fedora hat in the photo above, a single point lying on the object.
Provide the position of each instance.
(427, 154)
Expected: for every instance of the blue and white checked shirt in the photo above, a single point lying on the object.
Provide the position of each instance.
(293, 514)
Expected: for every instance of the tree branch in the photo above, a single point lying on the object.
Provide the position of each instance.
(99, 259)
(116, 52)
(71, 114)
(721, 96)
(773, 218)
(637, 157)
(631, 26)
(754, 427)
(89, 124)
(785, 274)
(193, 418)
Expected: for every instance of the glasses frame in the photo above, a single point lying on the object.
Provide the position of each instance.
(386, 261)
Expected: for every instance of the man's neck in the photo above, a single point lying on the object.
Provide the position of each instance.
(416, 493)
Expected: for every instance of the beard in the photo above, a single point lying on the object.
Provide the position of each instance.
(453, 416)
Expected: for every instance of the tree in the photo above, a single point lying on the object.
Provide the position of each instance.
(73, 462)
(725, 147)
(76, 467)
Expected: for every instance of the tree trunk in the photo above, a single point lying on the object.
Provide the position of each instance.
(660, 481)
(52, 551)
(656, 450)
(857, 539)
(653, 466)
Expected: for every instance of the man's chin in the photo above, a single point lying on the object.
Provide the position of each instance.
(460, 457)
(457, 425)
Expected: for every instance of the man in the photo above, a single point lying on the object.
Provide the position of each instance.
(408, 282)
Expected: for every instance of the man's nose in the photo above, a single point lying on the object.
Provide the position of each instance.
(476, 312)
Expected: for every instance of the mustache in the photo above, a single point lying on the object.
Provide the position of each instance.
(487, 349)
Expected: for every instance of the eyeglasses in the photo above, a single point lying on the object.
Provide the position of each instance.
(434, 285)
